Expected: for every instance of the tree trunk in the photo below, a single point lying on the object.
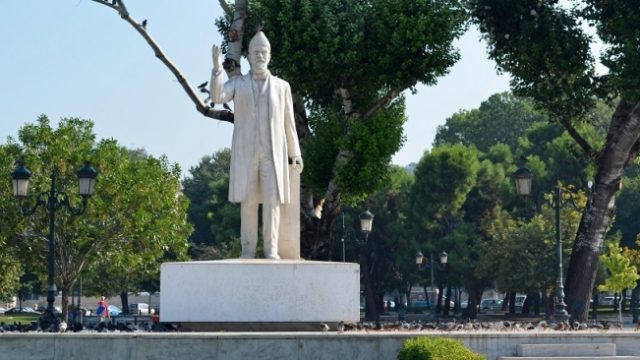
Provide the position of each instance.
(64, 305)
(512, 302)
(124, 300)
(620, 149)
(475, 295)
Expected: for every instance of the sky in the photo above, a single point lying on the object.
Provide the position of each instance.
(77, 58)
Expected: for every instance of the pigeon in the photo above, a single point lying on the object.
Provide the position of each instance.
(203, 87)
(324, 327)
(62, 327)
(341, 326)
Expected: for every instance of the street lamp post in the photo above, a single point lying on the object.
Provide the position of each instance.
(52, 200)
(524, 179)
(443, 262)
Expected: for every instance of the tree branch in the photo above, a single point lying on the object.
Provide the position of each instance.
(578, 138)
(382, 102)
(204, 109)
(226, 8)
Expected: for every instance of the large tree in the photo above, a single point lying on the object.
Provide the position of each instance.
(135, 217)
(348, 63)
(546, 49)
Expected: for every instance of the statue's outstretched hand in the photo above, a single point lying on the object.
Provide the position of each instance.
(215, 55)
(297, 163)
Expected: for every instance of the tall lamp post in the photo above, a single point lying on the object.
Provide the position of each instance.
(52, 200)
(419, 257)
(524, 178)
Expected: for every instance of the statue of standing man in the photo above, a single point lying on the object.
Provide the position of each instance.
(264, 143)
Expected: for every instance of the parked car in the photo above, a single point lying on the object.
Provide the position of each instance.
(21, 310)
(491, 304)
(114, 310)
(607, 301)
(139, 309)
(2, 310)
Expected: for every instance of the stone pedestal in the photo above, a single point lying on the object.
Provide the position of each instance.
(259, 291)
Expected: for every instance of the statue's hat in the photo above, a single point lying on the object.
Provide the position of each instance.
(259, 39)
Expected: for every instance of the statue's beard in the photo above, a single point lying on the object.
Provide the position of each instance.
(259, 67)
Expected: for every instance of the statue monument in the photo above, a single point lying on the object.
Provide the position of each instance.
(264, 143)
(283, 291)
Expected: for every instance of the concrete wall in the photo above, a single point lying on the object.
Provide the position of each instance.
(302, 346)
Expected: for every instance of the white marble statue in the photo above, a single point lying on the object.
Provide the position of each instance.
(264, 142)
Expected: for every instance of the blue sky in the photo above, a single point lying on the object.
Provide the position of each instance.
(77, 58)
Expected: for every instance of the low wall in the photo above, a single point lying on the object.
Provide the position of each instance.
(306, 346)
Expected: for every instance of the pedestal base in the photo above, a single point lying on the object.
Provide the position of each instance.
(258, 291)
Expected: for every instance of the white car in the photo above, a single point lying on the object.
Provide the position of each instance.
(139, 309)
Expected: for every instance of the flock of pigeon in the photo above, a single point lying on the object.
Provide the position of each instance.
(102, 327)
(469, 325)
(444, 326)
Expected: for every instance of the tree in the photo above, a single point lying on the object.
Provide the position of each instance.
(133, 220)
(623, 274)
(444, 178)
(543, 45)
(348, 62)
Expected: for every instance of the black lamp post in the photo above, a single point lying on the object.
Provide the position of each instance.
(52, 200)
(524, 178)
(444, 257)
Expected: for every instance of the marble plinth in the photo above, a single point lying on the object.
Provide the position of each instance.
(259, 291)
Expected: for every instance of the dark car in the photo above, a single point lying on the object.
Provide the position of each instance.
(21, 310)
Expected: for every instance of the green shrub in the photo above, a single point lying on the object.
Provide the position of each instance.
(436, 348)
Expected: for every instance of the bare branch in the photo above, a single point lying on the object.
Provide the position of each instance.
(203, 108)
(382, 102)
(586, 147)
(226, 8)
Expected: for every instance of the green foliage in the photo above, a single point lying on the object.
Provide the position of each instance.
(627, 220)
(616, 24)
(372, 143)
(134, 220)
(216, 220)
(366, 46)
(543, 46)
(622, 272)
(436, 348)
(444, 177)
(501, 119)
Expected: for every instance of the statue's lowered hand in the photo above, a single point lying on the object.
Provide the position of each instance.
(297, 163)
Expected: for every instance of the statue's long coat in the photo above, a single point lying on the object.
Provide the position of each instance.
(284, 138)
